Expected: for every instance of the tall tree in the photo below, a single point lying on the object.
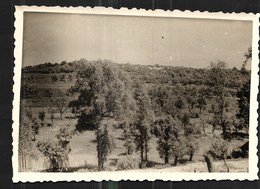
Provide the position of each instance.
(61, 104)
(25, 143)
(219, 150)
(166, 134)
(179, 149)
(57, 152)
(105, 144)
(142, 121)
(201, 99)
(217, 86)
(244, 95)
(129, 140)
(244, 104)
(35, 128)
(100, 87)
(191, 97)
(41, 116)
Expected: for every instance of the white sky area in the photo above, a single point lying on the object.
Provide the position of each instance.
(54, 37)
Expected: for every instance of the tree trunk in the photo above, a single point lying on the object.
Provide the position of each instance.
(213, 129)
(166, 158)
(226, 164)
(224, 131)
(191, 156)
(61, 115)
(176, 161)
(25, 166)
(142, 157)
(203, 126)
(146, 151)
(208, 160)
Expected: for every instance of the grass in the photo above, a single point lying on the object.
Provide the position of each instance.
(83, 156)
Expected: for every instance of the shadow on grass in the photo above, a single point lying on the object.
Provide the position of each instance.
(86, 168)
(120, 138)
(123, 154)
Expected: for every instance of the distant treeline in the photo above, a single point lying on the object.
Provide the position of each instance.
(146, 73)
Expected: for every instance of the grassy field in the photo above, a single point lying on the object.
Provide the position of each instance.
(83, 156)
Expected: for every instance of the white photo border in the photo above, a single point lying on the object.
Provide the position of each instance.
(132, 175)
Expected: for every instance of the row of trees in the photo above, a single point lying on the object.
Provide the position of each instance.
(106, 92)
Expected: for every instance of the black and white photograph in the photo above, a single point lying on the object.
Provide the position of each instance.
(133, 95)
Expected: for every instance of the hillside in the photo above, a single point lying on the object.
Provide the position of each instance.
(156, 114)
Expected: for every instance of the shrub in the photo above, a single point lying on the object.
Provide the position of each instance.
(57, 152)
(129, 162)
(219, 150)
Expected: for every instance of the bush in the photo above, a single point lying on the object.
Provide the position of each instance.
(129, 162)
(57, 152)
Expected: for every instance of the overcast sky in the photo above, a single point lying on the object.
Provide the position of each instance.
(135, 40)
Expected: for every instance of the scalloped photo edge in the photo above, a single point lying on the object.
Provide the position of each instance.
(133, 20)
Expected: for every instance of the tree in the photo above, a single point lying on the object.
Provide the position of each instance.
(191, 102)
(192, 147)
(248, 56)
(179, 149)
(35, 128)
(41, 116)
(244, 104)
(25, 143)
(203, 122)
(166, 134)
(141, 139)
(142, 121)
(179, 103)
(27, 90)
(105, 145)
(63, 77)
(54, 78)
(129, 140)
(61, 104)
(216, 85)
(57, 152)
(100, 87)
(52, 118)
(191, 97)
(219, 150)
(201, 100)
(185, 120)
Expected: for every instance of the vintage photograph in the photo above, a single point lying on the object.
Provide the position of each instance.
(123, 94)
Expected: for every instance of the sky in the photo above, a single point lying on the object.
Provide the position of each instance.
(55, 37)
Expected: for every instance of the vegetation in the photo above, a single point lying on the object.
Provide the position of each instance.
(220, 150)
(105, 145)
(57, 152)
(166, 134)
(146, 109)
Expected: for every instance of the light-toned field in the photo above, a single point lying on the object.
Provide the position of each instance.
(83, 156)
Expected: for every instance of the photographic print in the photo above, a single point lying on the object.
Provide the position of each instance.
(104, 94)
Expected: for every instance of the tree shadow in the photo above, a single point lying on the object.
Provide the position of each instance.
(89, 167)
(120, 138)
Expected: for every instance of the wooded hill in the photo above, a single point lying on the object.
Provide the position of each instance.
(171, 104)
